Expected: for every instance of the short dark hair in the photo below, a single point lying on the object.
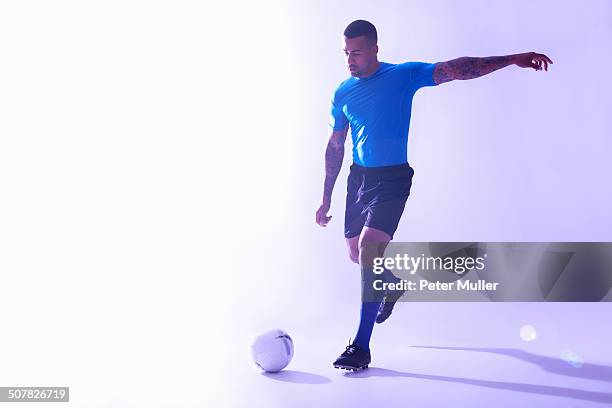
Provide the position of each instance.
(361, 27)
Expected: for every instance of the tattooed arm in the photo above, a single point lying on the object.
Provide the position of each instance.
(469, 68)
(334, 154)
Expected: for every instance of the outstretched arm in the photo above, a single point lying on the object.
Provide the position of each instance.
(470, 68)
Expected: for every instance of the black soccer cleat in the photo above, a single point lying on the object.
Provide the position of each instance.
(386, 306)
(384, 311)
(354, 358)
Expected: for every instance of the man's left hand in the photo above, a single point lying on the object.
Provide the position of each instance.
(532, 60)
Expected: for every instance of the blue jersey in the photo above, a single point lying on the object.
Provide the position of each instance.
(378, 111)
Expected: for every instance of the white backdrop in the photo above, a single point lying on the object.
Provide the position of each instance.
(161, 163)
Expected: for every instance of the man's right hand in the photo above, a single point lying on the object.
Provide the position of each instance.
(322, 218)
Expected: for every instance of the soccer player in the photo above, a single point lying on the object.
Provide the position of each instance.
(375, 102)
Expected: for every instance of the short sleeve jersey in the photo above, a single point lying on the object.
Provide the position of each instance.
(377, 108)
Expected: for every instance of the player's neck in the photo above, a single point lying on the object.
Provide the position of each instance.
(372, 71)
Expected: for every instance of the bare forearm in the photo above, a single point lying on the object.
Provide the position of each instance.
(334, 154)
(471, 67)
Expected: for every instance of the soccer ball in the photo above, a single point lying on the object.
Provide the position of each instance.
(272, 350)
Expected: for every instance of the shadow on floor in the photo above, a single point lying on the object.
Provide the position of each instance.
(550, 364)
(577, 394)
(298, 377)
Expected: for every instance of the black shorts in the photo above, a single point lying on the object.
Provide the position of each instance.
(375, 197)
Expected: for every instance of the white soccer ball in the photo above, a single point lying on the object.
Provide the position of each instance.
(272, 350)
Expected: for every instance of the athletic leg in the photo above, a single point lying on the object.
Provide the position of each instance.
(372, 243)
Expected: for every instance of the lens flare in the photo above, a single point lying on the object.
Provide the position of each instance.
(528, 333)
(572, 358)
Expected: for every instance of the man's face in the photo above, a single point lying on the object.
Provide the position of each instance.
(360, 55)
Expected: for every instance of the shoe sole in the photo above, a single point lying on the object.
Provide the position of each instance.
(349, 368)
(381, 318)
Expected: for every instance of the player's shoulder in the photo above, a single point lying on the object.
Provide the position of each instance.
(403, 70)
(413, 65)
(343, 87)
(413, 70)
(346, 83)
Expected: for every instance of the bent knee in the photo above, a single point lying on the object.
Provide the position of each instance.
(352, 245)
(353, 253)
